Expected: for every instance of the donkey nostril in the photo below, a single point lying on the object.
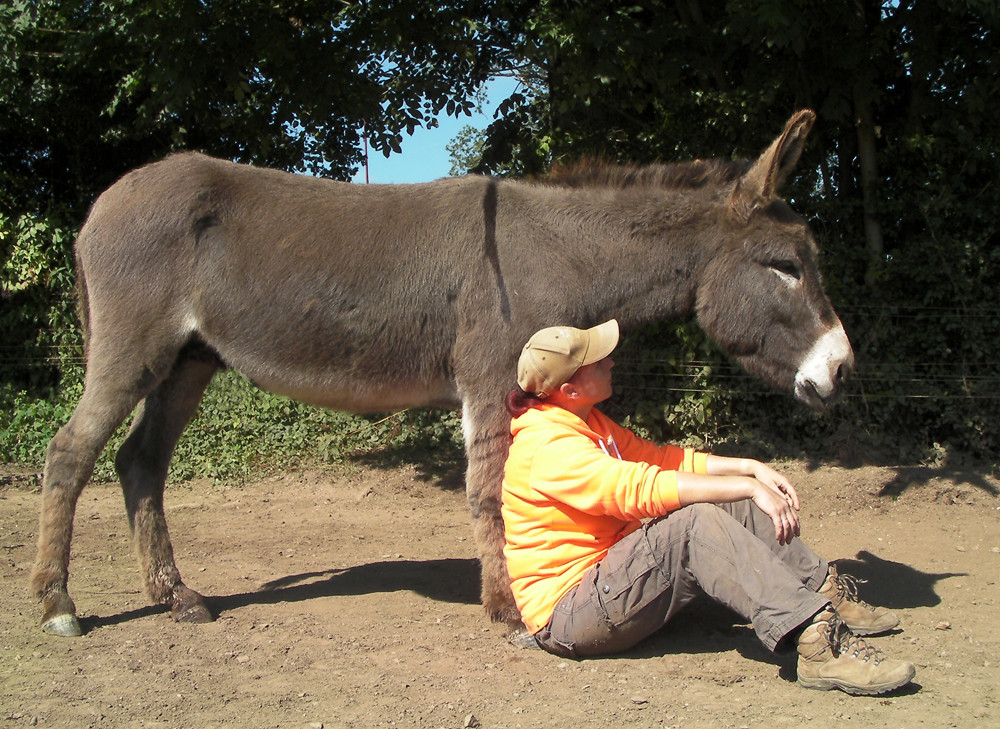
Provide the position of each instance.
(843, 372)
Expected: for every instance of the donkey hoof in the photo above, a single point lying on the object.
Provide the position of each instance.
(521, 638)
(196, 613)
(65, 625)
(189, 607)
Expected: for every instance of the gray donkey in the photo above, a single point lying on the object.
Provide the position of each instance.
(371, 298)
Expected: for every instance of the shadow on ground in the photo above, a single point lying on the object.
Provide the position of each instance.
(443, 467)
(442, 580)
(893, 584)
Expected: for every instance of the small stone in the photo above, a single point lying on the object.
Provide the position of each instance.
(639, 700)
(470, 722)
(943, 625)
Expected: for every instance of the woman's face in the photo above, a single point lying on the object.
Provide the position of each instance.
(593, 381)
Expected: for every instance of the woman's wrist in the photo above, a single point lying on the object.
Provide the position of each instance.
(714, 488)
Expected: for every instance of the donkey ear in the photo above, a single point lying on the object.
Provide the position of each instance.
(759, 186)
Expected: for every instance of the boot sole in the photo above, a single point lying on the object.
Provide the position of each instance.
(826, 684)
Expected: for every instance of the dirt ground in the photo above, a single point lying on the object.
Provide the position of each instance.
(349, 598)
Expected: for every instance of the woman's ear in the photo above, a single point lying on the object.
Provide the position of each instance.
(568, 390)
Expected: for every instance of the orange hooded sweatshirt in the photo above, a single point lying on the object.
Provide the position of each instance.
(573, 489)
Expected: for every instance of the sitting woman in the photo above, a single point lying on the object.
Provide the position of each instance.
(608, 535)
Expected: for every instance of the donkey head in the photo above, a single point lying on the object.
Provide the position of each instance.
(760, 297)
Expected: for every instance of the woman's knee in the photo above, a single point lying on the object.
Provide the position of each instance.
(694, 523)
(706, 515)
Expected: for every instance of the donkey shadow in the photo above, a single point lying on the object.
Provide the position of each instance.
(893, 584)
(441, 580)
(907, 476)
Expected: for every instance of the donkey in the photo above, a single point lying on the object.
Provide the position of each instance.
(371, 298)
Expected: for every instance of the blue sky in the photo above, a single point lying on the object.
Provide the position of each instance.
(424, 157)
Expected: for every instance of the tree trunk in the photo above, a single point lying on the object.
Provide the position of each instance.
(868, 161)
(866, 18)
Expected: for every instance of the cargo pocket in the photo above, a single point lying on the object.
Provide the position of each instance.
(628, 582)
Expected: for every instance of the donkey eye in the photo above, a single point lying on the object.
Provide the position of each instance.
(787, 268)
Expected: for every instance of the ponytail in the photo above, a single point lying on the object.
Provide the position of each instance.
(518, 401)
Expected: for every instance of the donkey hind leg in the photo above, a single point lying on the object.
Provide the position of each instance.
(142, 464)
(106, 402)
(486, 428)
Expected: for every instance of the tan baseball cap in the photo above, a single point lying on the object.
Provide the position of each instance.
(553, 355)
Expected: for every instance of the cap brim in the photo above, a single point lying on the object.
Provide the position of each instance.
(603, 340)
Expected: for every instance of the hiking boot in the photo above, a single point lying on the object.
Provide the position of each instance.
(861, 618)
(831, 656)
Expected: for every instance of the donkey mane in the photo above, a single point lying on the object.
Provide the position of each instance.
(596, 172)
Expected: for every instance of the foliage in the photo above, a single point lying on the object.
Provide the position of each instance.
(898, 181)
(37, 319)
(28, 422)
(240, 430)
(237, 432)
(659, 80)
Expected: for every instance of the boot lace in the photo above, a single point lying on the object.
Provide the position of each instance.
(844, 642)
(847, 589)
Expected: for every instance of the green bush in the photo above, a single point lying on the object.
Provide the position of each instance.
(38, 321)
(238, 432)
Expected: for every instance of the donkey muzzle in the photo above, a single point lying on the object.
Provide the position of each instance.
(825, 369)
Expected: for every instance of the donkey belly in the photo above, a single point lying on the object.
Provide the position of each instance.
(336, 364)
(364, 351)
(343, 391)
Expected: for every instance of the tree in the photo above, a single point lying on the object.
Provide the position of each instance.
(661, 80)
(899, 179)
(90, 90)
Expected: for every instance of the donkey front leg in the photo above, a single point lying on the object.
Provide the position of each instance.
(142, 463)
(486, 428)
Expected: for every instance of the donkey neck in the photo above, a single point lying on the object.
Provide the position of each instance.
(644, 248)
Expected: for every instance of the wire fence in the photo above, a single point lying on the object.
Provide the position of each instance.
(944, 380)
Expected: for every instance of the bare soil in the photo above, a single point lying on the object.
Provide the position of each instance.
(349, 598)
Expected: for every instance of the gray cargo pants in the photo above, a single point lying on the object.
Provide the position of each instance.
(727, 551)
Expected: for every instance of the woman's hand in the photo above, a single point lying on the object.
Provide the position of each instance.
(776, 498)
(769, 477)
(732, 479)
(727, 466)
